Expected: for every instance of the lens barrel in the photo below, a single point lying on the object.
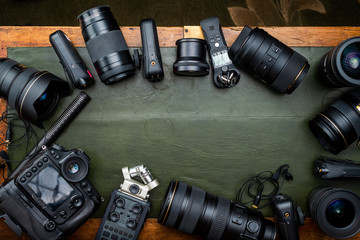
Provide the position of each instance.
(191, 57)
(341, 66)
(339, 125)
(268, 59)
(192, 210)
(106, 44)
(32, 93)
(336, 210)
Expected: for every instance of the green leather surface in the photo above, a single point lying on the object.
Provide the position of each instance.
(187, 129)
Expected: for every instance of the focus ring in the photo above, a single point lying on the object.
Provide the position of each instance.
(220, 222)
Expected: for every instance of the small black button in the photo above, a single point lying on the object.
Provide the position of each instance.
(63, 214)
(114, 237)
(57, 157)
(34, 169)
(116, 230)
(106, 234)
(39, 164)
(130, 235)
(49, 226)
(106, 226)
(77, 201)
(55, 217)
(253, 226)
(28, 174)
(52, 152)
(114, 216)
(134, 189)
(136, 209)
(111, 228)
(22, 179)
(120, 202)
(45, 159)
(83, 184)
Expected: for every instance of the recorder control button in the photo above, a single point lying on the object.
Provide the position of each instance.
(49, 225)
(136, 209)
(131, 223)
(120, 202)
(114, 216)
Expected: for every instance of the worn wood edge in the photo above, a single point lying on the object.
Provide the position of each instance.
(291, 36)
(155, 231)
(13, 36)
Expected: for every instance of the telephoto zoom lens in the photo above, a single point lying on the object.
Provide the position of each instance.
(336, 211)
(192, 210)
(32, 93)
(341, 66)
(268, 59)
(106, 44)
(339, 125)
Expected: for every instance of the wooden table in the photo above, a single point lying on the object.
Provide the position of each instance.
(292, 36)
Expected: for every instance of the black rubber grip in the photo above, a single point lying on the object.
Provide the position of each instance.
(56, 129)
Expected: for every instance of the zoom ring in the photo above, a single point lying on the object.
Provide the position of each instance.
(219, 223)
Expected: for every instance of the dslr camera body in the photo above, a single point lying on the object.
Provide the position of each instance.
(128, 206)
(50, 197)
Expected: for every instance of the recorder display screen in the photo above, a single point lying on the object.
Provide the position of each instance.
(51, 188)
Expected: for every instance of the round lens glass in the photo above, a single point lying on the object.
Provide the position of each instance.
(350, 60)
(73, 168)
(340, 213)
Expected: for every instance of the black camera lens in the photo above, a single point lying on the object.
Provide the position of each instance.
(268, 59)
(191, 57)
(106, 44)
(74, 169)
(33, 94)
(339, 125)
(336, 210)
(341, 66)
(192, 210)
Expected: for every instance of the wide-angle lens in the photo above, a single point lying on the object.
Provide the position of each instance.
(341, 66)
(339, 125)
(268, 59)
(193, 210)
(336, 210)
(106, 44)
(33, 94)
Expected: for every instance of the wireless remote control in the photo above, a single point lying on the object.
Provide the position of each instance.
(225, 73)
(152, 62)
(74, 67)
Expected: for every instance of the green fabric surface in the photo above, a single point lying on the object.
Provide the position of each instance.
(187, 129)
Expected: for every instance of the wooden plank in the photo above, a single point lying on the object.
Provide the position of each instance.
(155, 231)
(292, 36)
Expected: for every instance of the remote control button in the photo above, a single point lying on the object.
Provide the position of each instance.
(131, 223)
(22, 179)
(45, 159)
(114, 216)
(120, 202)
(134, 189)
(77, 201)
(114, 237)
(49, 226)
(34, 169)
(136, 209)
(28, 174)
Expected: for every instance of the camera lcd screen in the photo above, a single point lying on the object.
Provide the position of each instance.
(51, 188)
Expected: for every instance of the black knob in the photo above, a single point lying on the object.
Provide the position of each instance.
(120, 202)
(131, 223)
(136, 209)
(134, 189)
(77, 201)
(114, 216)
(49, 225)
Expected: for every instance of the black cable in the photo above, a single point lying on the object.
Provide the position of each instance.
(254, 187)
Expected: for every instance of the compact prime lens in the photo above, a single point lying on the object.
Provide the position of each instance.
(191, 57)
(339, 125)
(336, 210)
(106, 44)
(341, 66)
(32, 93)
(192, 210)
(268, 59)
